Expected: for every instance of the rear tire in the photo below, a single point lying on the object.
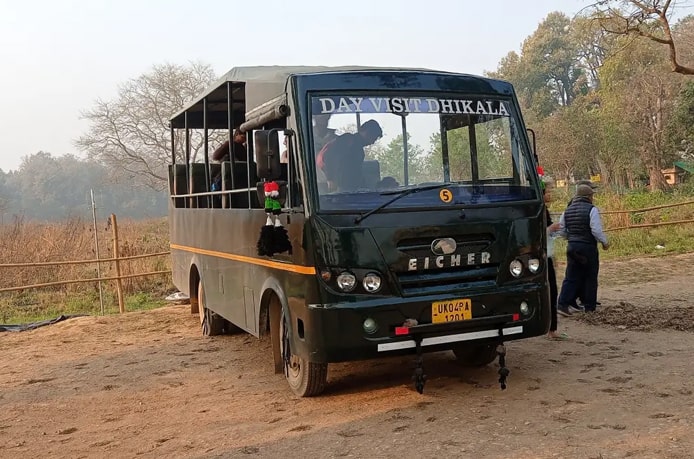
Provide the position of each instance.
(211, 323)
(475, 356)
(306, 379)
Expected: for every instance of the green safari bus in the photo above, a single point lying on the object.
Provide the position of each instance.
(359, 213)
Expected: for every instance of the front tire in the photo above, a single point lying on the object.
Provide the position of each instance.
(475, 356)
(306, 379)
(211, 323)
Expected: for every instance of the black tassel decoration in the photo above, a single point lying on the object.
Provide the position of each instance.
(266, 240)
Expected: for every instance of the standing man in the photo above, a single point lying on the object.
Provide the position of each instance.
(579, 304)
(582, 227)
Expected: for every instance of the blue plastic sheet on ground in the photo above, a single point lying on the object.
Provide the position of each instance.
(33, 325)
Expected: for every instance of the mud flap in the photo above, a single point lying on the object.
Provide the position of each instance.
(419, 377)
(501, 352)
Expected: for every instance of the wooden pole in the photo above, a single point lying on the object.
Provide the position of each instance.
(96, 243)
(116, 254)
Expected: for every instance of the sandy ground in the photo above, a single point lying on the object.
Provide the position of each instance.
(148, 385)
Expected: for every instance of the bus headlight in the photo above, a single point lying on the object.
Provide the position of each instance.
(516, 268)
(534, 265)
(346, 281)
(372, 282)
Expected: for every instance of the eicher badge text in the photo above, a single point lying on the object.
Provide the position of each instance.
(448, 261)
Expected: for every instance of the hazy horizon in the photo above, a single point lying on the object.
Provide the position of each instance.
(62, 56)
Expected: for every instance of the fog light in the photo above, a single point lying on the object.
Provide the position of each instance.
(534, 265)
(524, 308)
(516, 268)
(370, 326)
(346, 281)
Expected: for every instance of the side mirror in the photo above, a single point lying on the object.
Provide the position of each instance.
(266, 146)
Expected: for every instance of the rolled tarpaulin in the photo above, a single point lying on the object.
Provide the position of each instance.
(271, 110)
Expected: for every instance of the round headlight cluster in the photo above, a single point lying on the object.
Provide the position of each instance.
(372, 282)
(346, 281)
(516, 266)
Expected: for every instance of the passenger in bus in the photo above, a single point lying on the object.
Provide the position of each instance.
(284, 157)
(342, 158)
(387, 183)
(221, 154)
(321, 133)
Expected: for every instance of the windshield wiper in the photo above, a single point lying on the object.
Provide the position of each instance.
(398, 194)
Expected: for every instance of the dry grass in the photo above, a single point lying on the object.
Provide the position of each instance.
(29, 242)
(33, 242)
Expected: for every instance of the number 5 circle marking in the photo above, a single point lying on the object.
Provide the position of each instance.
(445, 195)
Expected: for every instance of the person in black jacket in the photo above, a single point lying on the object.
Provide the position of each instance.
(579, 306)
(582, 227)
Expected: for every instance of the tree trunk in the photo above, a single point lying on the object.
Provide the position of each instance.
(657, 181)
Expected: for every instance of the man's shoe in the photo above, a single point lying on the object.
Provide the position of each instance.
(583, 306)
(564, 311)
(576, 310)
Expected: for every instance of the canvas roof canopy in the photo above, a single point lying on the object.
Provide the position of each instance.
(251, 89)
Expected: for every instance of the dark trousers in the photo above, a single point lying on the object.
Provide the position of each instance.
(582, 264)
(552, 278)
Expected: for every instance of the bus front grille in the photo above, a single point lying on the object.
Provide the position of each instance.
(447, 280)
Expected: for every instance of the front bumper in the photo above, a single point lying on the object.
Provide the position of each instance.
(496, 328)
(335, 333)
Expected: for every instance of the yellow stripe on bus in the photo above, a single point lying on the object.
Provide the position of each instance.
(256, 261)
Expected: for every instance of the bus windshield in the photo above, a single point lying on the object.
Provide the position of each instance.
(366, 147)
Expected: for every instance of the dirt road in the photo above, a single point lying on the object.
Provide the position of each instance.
(148, 385)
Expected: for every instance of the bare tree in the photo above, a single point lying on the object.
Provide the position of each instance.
(644, 18)
(131, 134)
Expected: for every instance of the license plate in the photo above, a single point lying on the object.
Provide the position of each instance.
(451, 310)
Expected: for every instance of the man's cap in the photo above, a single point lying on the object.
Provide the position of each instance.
(586, 182)
(584, 190)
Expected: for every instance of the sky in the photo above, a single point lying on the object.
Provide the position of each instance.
(57, 57)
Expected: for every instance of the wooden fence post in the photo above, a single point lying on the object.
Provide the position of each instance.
(116, 255)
